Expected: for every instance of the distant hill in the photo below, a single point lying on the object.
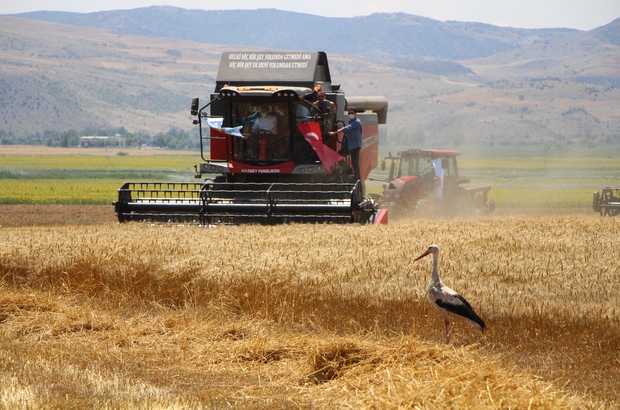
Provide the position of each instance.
(58, 77)
(447, 83)
(434, 67)
(608, 34)
(385, 37)
(588, 57)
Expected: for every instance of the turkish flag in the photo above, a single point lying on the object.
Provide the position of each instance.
(312, 133)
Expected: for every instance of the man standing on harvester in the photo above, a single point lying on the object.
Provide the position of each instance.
(352, 141)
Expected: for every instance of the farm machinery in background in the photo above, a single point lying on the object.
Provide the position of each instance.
(289, 173)
(428, 182)
(607, 202)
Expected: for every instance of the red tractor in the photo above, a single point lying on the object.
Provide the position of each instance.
(266, 150)
(426, 181)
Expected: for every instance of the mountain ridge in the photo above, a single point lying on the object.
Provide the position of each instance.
(386, 37)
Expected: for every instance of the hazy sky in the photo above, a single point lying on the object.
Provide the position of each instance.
(579, 14)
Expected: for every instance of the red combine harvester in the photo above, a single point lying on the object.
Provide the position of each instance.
(267, 151)
(425, 180)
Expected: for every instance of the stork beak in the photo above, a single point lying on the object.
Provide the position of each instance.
(421, 256)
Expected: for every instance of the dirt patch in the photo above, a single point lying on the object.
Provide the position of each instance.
(46, 215)
(39, 215)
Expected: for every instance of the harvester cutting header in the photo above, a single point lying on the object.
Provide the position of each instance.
(265, 146)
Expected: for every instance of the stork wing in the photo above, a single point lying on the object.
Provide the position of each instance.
(456, 304)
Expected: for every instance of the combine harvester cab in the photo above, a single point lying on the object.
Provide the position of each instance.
(266, 151)
(429, 180)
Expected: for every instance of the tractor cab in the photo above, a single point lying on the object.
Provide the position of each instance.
(423, 164)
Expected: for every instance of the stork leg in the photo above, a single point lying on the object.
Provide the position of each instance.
(447, 323)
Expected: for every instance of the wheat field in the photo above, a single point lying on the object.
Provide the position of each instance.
(310, 316)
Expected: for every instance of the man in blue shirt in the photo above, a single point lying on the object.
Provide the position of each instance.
(352, 141)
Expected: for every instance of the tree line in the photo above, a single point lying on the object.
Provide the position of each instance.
(175, 138)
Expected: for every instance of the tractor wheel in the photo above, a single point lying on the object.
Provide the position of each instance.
(610, 211)
(479, 202)
(491, 205)
(427, 207)
(460, 203)
(595, 202)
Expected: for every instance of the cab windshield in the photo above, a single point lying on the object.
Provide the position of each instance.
(269, 130)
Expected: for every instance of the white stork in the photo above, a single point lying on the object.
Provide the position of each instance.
(446, 301)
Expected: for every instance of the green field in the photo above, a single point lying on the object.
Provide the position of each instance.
(564, 179)
(80, 166)
(80, 191)
(83, 179)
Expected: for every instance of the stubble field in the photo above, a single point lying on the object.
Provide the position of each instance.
(97, 314)
(136, 316)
